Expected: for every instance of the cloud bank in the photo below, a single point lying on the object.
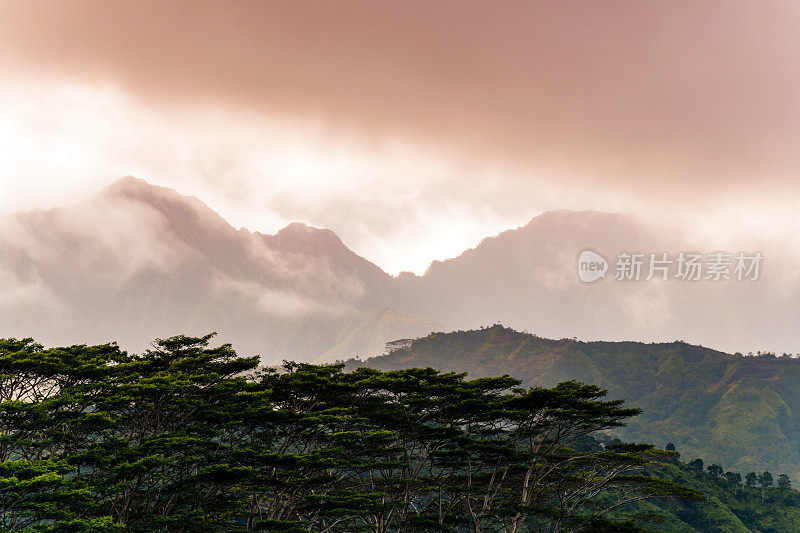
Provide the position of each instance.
(384, 120)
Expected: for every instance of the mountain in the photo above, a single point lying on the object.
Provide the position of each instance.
(136, 261)
(741, 412)
(527, 279)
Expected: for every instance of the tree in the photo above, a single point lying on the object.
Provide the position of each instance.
(733, 477)
(190, 437)
(765, 479)
(548, 422)
(715, 470)
(697, 464)
(670, 447)
(750, 479)
(784, 483)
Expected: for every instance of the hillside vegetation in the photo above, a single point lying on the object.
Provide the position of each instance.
(732, 503)
(187, 438)
(739, 411)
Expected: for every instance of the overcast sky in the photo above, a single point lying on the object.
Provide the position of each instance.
(412, 129)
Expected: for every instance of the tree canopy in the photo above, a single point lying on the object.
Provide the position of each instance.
(189, 437)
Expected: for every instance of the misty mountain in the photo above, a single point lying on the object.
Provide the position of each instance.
(137, 261)
(527, 278)
(741, 412)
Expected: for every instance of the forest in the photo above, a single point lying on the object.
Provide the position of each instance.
(192, 437)
(737, 410)
(189, 437)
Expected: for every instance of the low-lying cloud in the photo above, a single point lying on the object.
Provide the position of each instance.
(334, 114)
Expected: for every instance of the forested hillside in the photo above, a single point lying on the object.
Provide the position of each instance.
(739, 411)
(734, 501)
(188, 437)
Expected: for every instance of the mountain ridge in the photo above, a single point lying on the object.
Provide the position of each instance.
(739, 411)
(136, 261)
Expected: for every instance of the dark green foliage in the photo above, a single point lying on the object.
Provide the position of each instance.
(188, 437)
(729, 506)
(735, 478)
(737, 411)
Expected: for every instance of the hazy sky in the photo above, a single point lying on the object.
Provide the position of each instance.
(412, 129)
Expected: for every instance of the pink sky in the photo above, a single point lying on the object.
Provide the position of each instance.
(410, 128)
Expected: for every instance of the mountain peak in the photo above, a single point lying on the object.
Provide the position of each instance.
(133, 188)
(131, 181)
(298, 232)
(299, 227)
(162, 198)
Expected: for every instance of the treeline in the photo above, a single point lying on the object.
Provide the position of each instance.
(751, 479)
(188, 437)
(738, 410)
(733, 503)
